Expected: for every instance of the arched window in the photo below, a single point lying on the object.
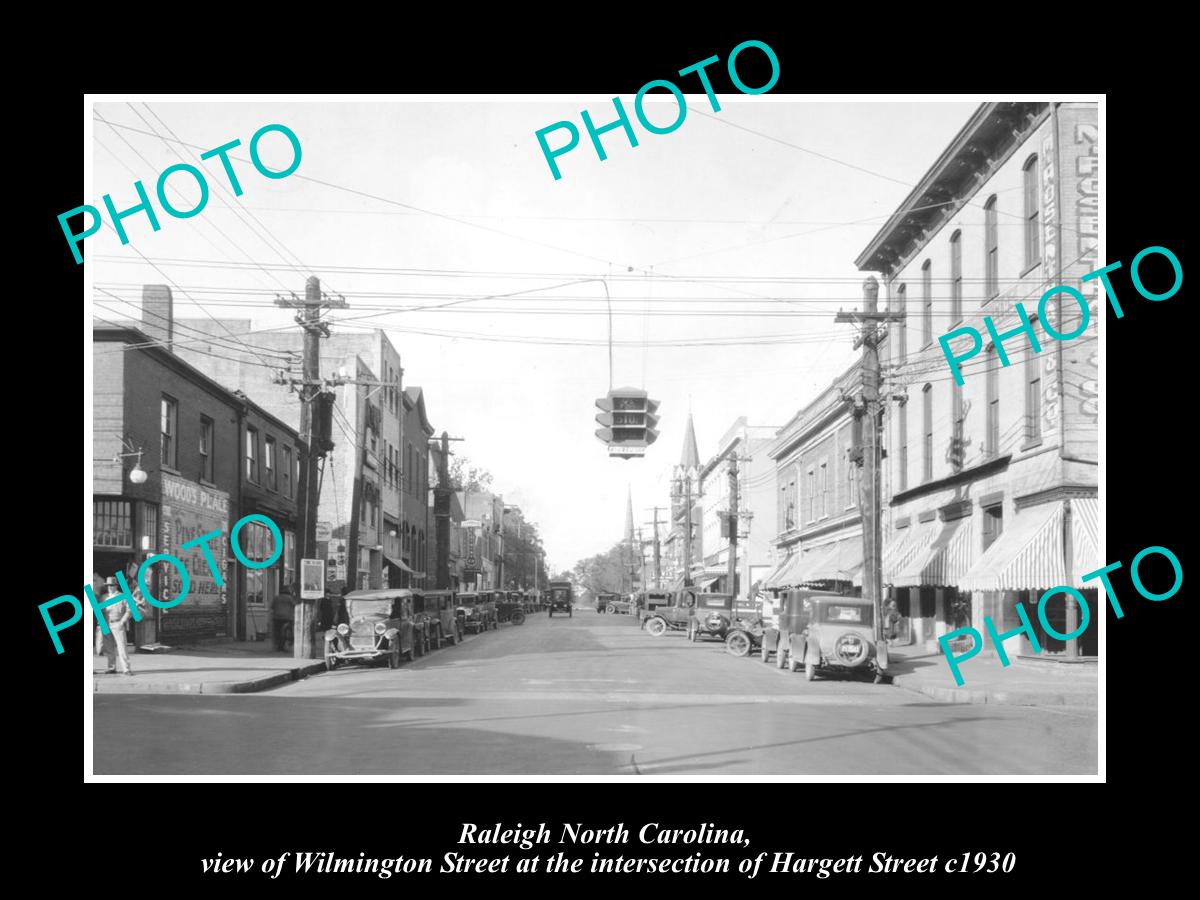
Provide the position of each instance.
(927, 303)
(927, 433)
(902, 325)
(1033, 253)
(991, 251)
(955, 278)
(992, 369)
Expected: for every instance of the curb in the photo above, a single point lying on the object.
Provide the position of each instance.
(1007, 698)
(249, 686)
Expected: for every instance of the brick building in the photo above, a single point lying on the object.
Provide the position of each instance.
(991, 488)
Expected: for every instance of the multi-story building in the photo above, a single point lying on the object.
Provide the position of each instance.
(819, 522)
(380, 431)
(483, 539)
(178, 455)
(991, 487)
(747, 444)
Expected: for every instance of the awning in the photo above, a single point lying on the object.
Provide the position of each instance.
(1030, 554)
(904, 547)
(403, 567)
(781, 576)
(840, 561)
(705, 583)
(944, 561)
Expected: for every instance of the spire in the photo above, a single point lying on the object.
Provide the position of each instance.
(628, 515)
(691, 456)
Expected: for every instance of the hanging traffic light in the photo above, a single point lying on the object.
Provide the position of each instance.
(628, 422)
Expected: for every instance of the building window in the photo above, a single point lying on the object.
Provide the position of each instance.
(927, 303)
(252, 454)
(957, 446)
(927, 431)
(287, 472)
(956, 278)
(993, 524)
(112, 524)
(824, 489)
(991, 251)
(992, 368)
(169, 427)
(206, 449)
(409, 473)
(269, 464)
(1032, 199)
(902, 325)
(903, 439)
(1033, 399)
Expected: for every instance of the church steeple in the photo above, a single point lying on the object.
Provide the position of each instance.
(629, 515)
(690, 459)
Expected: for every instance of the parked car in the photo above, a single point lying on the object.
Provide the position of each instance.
(745, 635)
(673, 616)
(825, 633)
(511, 608)
(561, 597)
(622, 606)
(649, 601)
(380, 627)
(605, 601)
(471, 613)
(445, 626)
(711, 616)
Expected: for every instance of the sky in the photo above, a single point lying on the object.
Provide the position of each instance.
(726, 248)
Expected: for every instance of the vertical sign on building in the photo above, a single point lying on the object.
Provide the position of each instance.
(1048, 166)
(189, 511)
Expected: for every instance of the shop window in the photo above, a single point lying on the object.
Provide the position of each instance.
(112, 524)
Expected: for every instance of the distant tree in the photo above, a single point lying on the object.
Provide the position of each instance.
(464, 476)
(604, 572)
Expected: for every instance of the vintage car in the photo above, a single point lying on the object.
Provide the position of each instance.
(511, 608)
(444, 624)
(711, 616)
(745, 635)
(472, 613)
(826, 632)
(561, 597)
(649, 601)
(673, 616)
(605, 601)
(380, 627)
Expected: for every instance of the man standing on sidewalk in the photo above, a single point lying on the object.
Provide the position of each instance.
(117, 616)
(283, 610)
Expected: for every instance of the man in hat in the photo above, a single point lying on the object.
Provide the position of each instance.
(117, 616)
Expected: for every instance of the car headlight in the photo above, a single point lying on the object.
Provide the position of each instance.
(343, 628)
(461, 611)
(850, 649)
(380, 628)
(715, 621)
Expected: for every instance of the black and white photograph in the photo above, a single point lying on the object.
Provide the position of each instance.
(693, 435)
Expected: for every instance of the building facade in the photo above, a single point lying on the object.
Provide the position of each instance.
(756, 507)
(818, 514)
(991, 487)
(178, 455)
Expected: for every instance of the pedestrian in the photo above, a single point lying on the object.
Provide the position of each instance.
(891, 620)
(283, 610)
(98, 590)
(116, 615)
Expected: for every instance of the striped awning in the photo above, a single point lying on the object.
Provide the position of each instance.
(944, 561)
(1030, 555)
(906, 545)
(780, 577)
(840, 561)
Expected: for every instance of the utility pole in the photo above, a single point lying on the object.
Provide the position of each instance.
(687, 529)
(309, 494)
(733, 523)
(657, 558)
(869, 485)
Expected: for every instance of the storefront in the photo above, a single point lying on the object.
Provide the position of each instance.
(125, 532)
(190, 510)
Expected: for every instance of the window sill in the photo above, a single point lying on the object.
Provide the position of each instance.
(1029, 445)
(171, 470)
(1030, 268)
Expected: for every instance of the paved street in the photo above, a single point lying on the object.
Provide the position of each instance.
(588, 695)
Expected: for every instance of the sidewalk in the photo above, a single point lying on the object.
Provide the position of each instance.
(227, 667)
(1023, 683)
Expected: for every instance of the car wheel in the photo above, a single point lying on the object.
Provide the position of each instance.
(810, 671)
(656, 626)
(610, 609)
(738, 643)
